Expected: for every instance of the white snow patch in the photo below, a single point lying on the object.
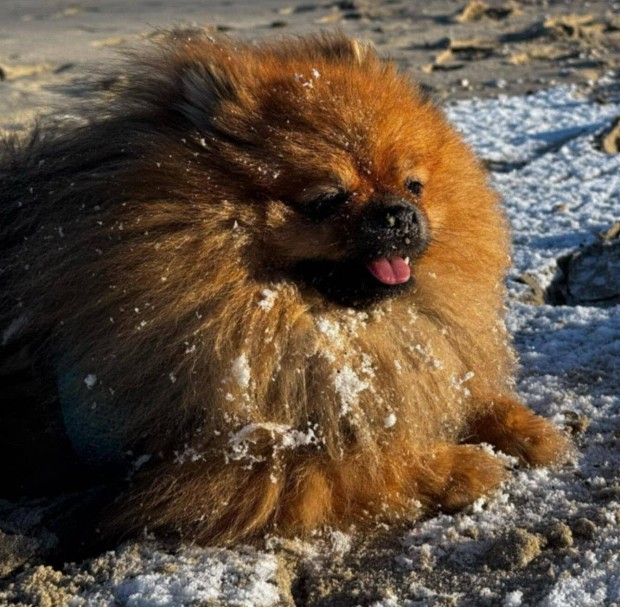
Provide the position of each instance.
(348, 385)
(192, 577)
(282, 437)
(269, 298)
(330, 328)
(389, 421)
(290, 438)
(189, 454)
(240, 370)
(513, 599)
(340, 542)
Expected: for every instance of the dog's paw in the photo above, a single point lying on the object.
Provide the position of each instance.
(534, 440)
(517, 431)
(455, 476)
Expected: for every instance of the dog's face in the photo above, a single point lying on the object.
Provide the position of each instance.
(350, 210)
(347, 216)
(366, 239)
(343, 162)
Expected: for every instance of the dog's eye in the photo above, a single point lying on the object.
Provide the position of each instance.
(414, 186)
(326, 205)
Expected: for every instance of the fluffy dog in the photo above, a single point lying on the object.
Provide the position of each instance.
(267, 281)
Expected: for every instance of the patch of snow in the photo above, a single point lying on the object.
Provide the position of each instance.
(513, 599)
(269, 298)
(193, 577)
(240, 370)
(282, 437)
(189, 454)
(348, 385)
(330, 328)
(389, 421)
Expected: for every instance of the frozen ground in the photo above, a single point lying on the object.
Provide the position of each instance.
(550, 538)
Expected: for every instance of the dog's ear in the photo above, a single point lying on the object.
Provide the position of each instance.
(187, 70)
(207, 84)
(339, 47)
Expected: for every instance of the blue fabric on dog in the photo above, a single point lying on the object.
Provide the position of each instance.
(92, 423)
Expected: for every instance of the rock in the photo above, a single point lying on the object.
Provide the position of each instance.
(608, 493)
(589, 276)
(578, 26)
(609, 140)
(576, 423)
(536, 294)
(514, 549)
(472, 48)
(444, 67)
(583, 528)
(360, 9)
(15, 551)
(455, 50)
(611, 233)
(559, 535)
(475, 10)
(548, 52)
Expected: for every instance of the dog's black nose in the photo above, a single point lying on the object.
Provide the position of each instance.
(392, 227)
(401, 220)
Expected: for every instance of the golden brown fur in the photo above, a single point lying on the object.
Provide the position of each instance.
(156, 246)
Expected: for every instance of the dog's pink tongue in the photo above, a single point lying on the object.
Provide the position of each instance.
(393, 271)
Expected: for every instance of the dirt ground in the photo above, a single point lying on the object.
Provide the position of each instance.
(458, 49)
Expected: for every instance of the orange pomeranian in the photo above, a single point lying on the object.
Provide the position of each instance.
(267, 280)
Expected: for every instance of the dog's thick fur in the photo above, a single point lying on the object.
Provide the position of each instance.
(154, 251)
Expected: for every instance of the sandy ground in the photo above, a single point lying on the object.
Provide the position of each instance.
(457, 50)
(47, 50)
